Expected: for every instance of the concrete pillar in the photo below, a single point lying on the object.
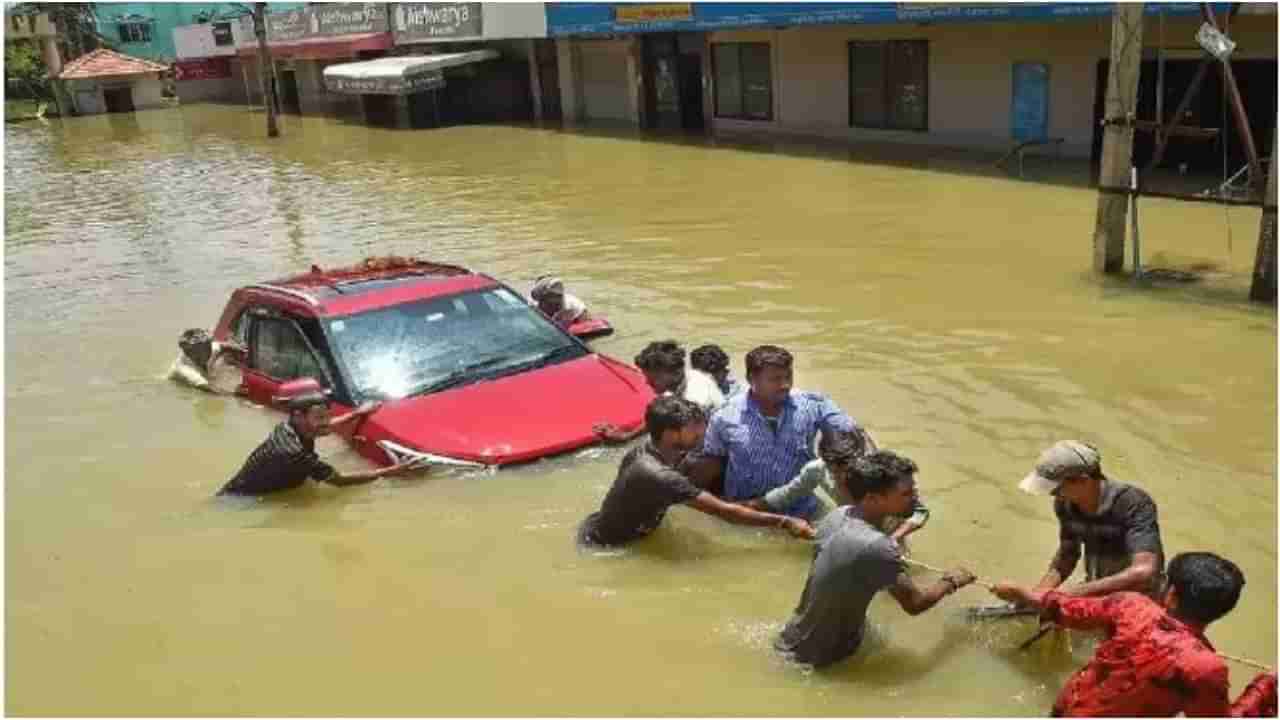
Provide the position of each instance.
(1264, 263)
(535, 79)
(570, 96)
(1117, 137)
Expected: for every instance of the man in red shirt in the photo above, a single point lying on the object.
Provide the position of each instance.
(1156, 661)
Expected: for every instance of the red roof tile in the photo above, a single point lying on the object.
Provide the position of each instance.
(107, 62)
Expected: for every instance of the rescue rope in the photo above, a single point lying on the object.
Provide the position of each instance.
(940, 571)
(976, 581)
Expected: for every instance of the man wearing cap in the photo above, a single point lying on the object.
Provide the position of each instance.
(288, 456)
(548, 295)
(1116, 523)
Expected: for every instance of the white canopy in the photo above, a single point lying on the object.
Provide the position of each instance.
(398, 75)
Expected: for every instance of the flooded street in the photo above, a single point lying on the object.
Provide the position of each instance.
(946, 306)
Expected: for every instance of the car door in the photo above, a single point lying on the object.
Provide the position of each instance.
(279, 351)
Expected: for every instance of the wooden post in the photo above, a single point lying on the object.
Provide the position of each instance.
(266, 66)
(1264, 263)
(1117, 138)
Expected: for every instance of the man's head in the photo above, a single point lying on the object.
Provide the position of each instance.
(548, 292)
(675, 424)
(839, 450)
(1202, 586)
(309, 413)
(769, 373)
(883, 483)
(1071, 470)
(197, 345)
(663, 366)
(712, 360)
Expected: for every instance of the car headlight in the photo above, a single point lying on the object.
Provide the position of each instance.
(399, 454)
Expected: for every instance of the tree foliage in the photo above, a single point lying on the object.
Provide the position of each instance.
(24, 69)
(75, 23)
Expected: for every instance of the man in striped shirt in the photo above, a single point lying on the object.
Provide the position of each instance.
(762, 438)
(288, 456)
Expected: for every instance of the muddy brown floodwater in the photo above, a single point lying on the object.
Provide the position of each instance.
(949, 308)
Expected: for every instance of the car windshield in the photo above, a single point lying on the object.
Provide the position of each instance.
(429, 345)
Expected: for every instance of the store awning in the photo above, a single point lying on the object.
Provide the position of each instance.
(397, 75)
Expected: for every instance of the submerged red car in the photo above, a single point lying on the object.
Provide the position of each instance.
(468, 373)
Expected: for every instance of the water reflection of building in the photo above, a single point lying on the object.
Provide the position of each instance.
(965, 75)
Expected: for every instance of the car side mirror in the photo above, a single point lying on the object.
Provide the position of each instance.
(297, 388)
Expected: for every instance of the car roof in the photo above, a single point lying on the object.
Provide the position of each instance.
(375, 283)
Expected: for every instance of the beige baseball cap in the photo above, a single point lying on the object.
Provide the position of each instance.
(1065, 459)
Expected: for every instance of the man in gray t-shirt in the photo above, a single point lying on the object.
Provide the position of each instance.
(648, 483)
(854, 560)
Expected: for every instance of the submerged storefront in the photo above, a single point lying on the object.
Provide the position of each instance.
(303, 42)
(405, 91)
(510, 85)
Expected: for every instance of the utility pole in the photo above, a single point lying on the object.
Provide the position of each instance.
(1264, 263)
(265, 66)
(1117, 136)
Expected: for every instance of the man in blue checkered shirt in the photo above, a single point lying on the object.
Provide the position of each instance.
(762, 438)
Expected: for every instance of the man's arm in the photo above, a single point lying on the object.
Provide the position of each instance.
(915, 600)
(613, 434)
(1080, 613)
(1063, 563)
(832, 419)
(360, 477)
(1135, 578)
(801, 486)
(743, 515)
(364, 410)
(919, 516)
(1257, 700)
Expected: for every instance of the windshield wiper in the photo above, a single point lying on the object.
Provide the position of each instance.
(550, 356)
(460, 376)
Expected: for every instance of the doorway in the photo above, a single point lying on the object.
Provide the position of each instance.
(118, 100)
(673, 81)
(691, 92)
(289, 100)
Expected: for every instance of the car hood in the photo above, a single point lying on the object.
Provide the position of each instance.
(518, 417)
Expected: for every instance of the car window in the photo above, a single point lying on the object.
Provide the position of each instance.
(406, 349)
(240, 328)
(280, 351)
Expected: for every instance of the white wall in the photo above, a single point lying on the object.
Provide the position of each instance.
(196, 41)
(86, 96)
(148, 92)
(502, 20)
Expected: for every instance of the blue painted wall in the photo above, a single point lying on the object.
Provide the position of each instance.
(163, 18)
(573, 18)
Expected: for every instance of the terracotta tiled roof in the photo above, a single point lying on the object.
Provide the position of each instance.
(107, 62)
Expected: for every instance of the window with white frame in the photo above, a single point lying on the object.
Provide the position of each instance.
(134, 31)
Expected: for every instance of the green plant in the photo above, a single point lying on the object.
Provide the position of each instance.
(24, 69)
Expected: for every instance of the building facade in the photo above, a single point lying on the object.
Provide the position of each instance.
(980, 76)
(146, 29)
